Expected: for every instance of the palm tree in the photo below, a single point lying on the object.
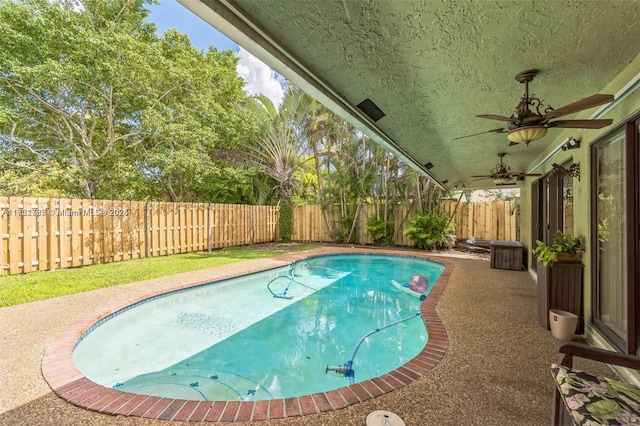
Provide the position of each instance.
(350, 169)
(279, 152)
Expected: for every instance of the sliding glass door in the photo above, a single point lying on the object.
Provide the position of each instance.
(611, 218)
(615, 230)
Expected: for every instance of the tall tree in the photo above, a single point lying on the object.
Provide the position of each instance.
(90, 92)
(319, 128)
(195, 125)
(278, 149)
(66, 89)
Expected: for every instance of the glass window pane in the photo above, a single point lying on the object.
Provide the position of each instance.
(611, 208)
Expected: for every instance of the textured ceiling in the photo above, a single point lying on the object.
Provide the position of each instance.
(431, 66)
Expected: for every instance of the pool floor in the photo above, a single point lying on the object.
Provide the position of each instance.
(71, 385)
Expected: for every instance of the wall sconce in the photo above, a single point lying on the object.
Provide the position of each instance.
(572, 171)
(571, 144)
(428, 166)
(567, 194)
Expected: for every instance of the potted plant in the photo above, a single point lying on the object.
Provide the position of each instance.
(564, 248)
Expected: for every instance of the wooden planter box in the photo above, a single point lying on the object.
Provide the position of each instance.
(506, 255)
(560, 287)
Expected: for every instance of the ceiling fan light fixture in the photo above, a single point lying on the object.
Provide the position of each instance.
(501, 180)
(527, 134)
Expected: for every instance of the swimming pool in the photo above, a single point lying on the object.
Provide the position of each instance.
(115, 395)
(235, 341)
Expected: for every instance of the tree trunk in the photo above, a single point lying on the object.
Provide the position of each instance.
(355, 221)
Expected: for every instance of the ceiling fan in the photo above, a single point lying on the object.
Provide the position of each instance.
(526, 125)
(502, 175)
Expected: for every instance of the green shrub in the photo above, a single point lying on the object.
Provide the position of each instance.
(428, 231)
(381, 231)
(286, 221)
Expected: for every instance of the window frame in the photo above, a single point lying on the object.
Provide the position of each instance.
(632, 162)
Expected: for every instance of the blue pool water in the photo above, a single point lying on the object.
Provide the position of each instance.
(232, 340)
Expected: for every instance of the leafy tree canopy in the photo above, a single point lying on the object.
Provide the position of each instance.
(89, 92)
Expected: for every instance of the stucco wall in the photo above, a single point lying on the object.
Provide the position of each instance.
(581, 197)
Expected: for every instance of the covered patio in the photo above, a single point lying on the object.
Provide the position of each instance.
(550, 88)
(495, 369)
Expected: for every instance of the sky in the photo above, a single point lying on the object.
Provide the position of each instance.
(258, 77)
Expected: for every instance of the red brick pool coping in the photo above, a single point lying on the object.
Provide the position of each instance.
(70, 384)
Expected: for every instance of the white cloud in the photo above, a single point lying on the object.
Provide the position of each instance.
(259, 78)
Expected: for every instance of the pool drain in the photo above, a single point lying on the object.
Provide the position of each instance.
(384, 418)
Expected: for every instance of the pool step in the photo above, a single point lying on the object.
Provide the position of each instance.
(200, 385)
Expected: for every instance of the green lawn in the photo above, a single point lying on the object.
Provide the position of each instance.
(23, 288)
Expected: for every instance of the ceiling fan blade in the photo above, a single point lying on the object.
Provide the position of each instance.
(506, 184)
(581, 124)
(496, 117)
(525, 174)
(581, 105)
(500, 130)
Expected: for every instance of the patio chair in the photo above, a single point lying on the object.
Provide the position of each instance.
(581, 398)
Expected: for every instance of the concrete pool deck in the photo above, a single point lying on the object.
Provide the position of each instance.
(495, 369)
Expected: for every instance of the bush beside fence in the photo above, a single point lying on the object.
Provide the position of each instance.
(496, 220)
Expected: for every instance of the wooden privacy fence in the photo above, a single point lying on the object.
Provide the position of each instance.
(493, 220)
(39, 234)
(496, 220)
(42, 234)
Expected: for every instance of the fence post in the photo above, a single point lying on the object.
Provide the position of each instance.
(147, 219)
(4, 206)
(210, 226)
(251, 224)
(51, 235)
